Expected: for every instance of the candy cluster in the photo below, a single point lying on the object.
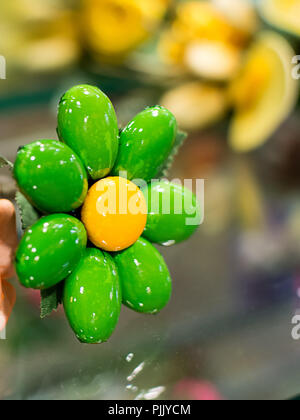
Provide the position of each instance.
(93, 240)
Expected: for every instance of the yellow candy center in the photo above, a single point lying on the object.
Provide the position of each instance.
(114, 214)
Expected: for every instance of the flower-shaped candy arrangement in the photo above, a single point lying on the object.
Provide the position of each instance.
(87, 249)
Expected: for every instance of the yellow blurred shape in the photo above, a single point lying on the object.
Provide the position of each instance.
(48, 54)
(213, 60)
(240, 13)
(115, 27)
(264, 94)
(195, 104)
(38, 35)
(32, 10)
(203, 20)
(154, 9)
(207, 37)
(172, 47)
(249, 198)
(284, 14)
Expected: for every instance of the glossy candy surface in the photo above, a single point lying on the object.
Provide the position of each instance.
(173, 213)
(114, 213)
(88, 124)
(50, 250)
(51, 176)
(92, 297)
(146, 143)
(145, 278)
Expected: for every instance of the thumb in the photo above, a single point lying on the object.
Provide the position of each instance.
(7, 301)
(8, 238)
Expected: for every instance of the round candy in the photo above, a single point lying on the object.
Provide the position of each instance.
(114, 214)
(145, 278)
(87, 122)
(50, 250)
(174, 213)
(51, 176)
(92, 297)
(146, 143)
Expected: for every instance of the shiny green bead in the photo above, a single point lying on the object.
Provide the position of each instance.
(174, 213)
(92, 297)
(50, 250)
(51, 176)
(87, 122)
(146, 143)
(145, 278)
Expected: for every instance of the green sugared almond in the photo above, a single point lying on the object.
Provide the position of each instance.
(92, 297)
(145, 279)
(87, 122)
(51, 176)
(174, 213)
(50, 250)
(146, 143)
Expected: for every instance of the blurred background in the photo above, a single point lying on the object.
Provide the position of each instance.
(228, 70)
